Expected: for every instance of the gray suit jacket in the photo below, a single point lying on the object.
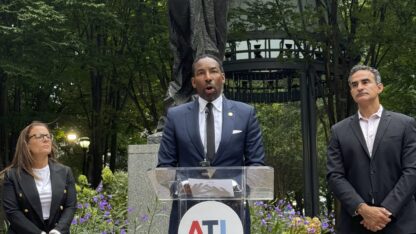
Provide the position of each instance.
(387, 178)
(22, 203)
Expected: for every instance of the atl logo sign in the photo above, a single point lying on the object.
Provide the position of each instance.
(210, 217)
(209, 226)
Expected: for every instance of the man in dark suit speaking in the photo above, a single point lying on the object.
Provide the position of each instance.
(235, 139)
(372, 162)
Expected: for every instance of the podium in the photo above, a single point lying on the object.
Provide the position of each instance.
(212, 199)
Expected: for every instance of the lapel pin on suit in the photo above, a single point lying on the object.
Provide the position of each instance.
(230, 114)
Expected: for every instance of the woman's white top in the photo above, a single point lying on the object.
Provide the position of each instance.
(43, 184)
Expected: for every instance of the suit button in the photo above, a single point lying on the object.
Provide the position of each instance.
(26, 211)
(20, 195)
(62, 208)
(373, 172)
(64, 190)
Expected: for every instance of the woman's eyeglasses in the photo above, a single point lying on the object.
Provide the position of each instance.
(41, 136)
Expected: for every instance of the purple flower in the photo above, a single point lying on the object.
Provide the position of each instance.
(79, 206)
(86, 205)
(277, 209)
(87, 215)
(99, 187)
(258, 203)
(106, 214)
(82, 220)
(129, 210)
(144, 218)
(311, 230)
(263, 222)
(123, 231)
(290, 210)
(74, 221)
(102, 204)
(95, 199)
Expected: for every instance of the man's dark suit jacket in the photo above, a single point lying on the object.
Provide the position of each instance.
(387, 178)
(181, 146)
(241, 142)
(22, 203)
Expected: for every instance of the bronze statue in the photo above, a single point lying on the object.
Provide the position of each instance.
(196, 27)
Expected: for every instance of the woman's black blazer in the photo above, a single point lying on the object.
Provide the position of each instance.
(22, 203)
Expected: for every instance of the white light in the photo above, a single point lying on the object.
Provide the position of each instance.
(71, 136)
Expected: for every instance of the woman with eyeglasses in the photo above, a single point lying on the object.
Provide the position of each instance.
(39, 193)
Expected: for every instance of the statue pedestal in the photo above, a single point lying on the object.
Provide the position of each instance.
(154, 138)
(147, 215)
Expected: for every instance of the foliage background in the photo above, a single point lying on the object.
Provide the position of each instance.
(101, 69)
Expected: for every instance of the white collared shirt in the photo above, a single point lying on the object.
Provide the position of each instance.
(217, 111)
(44, 187)
(369, 128)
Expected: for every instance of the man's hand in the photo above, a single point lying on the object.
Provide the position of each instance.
(374, 218)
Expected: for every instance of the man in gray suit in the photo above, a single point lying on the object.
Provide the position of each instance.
(372, 162)
(238, 140)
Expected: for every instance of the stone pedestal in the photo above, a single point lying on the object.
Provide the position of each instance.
(154, 138)
(147, 214)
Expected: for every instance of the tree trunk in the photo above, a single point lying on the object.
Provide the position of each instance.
(97, 128)
(113, 148)
(4, 149)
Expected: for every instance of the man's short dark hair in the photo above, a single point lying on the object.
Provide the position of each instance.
(199, 57)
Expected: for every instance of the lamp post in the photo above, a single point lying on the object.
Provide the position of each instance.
(84, 142)
(72, 139)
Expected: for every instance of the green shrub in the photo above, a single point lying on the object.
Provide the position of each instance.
(280, 217)
(103, 210)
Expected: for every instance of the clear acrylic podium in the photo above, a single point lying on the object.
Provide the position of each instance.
(232, 186)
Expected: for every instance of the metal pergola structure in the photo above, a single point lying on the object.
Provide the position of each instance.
(270, 68)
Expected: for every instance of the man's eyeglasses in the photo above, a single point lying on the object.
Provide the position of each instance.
(41, 136)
